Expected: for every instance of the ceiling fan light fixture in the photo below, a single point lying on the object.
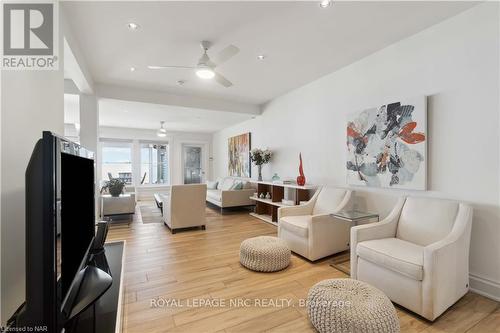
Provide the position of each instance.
(132, 26)
(205, 73)
(325, 3)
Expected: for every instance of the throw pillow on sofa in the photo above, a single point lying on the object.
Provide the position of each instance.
(246, 185)
(225, 184)
(212, 185)
(237, 186)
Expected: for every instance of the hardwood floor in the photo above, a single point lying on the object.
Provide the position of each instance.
(165, 274)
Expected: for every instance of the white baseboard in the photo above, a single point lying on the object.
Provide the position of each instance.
(485, 287)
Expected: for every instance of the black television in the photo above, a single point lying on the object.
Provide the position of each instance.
(61, 281)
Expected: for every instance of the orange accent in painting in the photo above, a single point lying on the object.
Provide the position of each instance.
(406, 134)
(351, 132)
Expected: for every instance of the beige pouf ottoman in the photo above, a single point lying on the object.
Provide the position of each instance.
(264, 254)
(346, 305)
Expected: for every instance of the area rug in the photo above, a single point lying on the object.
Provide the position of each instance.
(150, 213)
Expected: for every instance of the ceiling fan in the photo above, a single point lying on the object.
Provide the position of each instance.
(205, 68)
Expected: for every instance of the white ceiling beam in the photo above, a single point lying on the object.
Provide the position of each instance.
(164, 98)
(70, 87)
(75, 66)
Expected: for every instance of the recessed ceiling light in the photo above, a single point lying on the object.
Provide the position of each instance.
(325, 3)
(261, 56)
(132, 69)
(133, 26)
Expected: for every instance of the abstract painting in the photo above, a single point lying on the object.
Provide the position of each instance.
(387, 145)
(239, 156)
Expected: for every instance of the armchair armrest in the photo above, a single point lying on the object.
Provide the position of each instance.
(294, 211)
(343, 204)
(326, 217)
(446, 266)
(326, 236)
(166, 210)
(383, 229)
(305, 209)
(316, 220)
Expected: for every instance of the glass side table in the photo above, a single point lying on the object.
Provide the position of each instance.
(353, 217)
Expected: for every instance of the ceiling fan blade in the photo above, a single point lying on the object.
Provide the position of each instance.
(226, 54)
(167, 67)
(220, 79)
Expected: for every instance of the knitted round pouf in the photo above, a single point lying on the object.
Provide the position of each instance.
(345, 305)
(264, 254)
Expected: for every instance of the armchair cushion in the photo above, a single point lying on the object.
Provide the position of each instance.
(297, 225)
(424, 221)
(395, 254)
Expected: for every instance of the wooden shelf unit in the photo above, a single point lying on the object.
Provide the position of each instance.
(267, 209)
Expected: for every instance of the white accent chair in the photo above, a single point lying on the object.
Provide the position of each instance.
(184, 207)
(310, 231)
(114, 206)
(418, 255)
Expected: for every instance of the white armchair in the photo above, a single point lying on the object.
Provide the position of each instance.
(184, 207)
(310, 231)
(418, 255)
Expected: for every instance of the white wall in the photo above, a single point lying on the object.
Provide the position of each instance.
(32, 101)
(89, 132)
(1, 299)
(89, 121)
(454, 63)
(175, 140)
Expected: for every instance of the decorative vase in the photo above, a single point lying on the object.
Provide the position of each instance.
(301, 179)
(276, 177)
(115, 191)
(259, 167)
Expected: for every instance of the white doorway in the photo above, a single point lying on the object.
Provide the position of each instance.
(193, 163)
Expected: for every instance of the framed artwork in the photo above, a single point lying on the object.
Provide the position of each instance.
(387, 145)
(239, 156)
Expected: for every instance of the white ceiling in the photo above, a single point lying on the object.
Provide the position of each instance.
(116, 113)
(302, 41)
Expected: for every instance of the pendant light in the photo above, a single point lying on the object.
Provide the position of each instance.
(162, 132)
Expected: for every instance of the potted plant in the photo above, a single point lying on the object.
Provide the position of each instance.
(260, 157)
(114, 186)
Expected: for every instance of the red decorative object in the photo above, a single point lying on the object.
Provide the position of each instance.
(301, 179)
